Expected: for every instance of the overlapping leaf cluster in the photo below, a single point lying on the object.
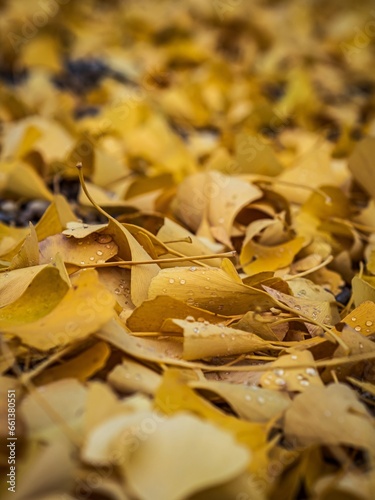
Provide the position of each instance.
(193, 315)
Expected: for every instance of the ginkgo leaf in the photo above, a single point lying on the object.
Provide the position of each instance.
(220, 197)
(67, 400)
(55, 218)
(12, 238)
(176, 234)
(261, 325)
(269, 258)
(202, 340)
(332, 416)
(48, 472)
(362, 291)
(317, 310)
(54, 141)
(128, 248)
(24, 181)
(358, 343)
(184, 441)
(14, 283)
(151, 314)
(132, 377)
(28, 254)
(81, 230)
(41, 295)
(249, 402)
(95, 248)
(283, 377)
(87, 306)
(207, 288)
(174, 395)
(80, 367)
(361, 166)
(159, 351)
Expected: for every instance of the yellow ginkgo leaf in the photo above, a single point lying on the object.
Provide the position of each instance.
(203, 340)
(184, 442)
(256, 258)
(83, 310)
(207, 288)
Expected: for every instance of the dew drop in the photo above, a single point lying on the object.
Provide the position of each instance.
(171, 281)
(117, 291)
(358, 328)
(105, 238)
(248, 397)
(182, 282)
(190, 301)
(99, 252)
(82, 262)
(280, 381)
(278, 371)
(354, 319)
(360, 346)
(207, 287)
(222, 335)
(92, 258)
(193, 269)
(368, 323)
(311, 371)
(189, 318)
(297, 307)
(294, 356)
(261, 400)
(304, 382)
(196, 330)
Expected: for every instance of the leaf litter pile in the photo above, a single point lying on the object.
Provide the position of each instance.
(187, 249)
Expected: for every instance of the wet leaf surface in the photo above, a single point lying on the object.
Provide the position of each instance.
(187, 249)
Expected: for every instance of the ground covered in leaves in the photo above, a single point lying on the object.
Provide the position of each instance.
(187, 249)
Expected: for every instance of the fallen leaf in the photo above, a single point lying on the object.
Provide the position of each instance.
(88, 305)
(330, 415)
(187, 438)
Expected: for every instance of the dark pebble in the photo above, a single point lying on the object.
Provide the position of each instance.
(12, 76)
(344, 296)
(81, 75)
(84, 111)
(32, 211)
